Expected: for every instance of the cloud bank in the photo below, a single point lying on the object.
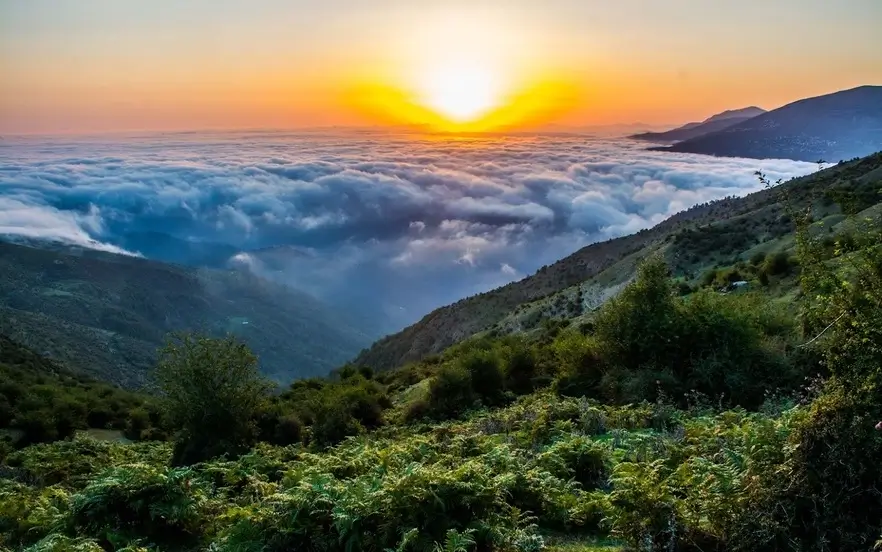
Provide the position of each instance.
(402, 223)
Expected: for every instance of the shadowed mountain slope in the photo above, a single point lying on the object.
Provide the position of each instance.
(105, 315)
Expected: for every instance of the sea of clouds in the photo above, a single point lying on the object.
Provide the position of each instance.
(373, 222)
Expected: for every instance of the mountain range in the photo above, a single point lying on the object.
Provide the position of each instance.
(105, 315)
(833, 127)
(714, 123)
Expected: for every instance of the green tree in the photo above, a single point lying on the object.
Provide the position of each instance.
(212, 393)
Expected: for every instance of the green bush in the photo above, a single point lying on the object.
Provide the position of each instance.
(722, 346)
(521, 369)
(44, 402)
(450, 393)
(580, 367)
(777, 264)
(212, 391)
(485, 374)
(581, 459)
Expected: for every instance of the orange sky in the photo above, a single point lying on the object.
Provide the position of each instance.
(103, 65)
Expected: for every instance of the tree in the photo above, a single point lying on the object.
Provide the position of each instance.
(212, 394)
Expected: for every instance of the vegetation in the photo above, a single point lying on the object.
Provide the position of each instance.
(211, 390)
(105, 316)
(714, 236)
(41, 401)
(663, 421)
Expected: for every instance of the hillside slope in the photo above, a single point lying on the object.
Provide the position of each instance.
(703, 236)
(105, 315)
(717, 122)
(837, 126)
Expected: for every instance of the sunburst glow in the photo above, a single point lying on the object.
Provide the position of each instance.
(455, 71)
(460, 91)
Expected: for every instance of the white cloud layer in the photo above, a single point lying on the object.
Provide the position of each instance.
(394, 220)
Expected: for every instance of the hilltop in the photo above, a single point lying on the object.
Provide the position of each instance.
(837, 126)
(709, 235)
(714, 123)
(105, 315)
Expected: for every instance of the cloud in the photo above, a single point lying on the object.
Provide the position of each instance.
(47, 223)
(508, 270)
(366, 220)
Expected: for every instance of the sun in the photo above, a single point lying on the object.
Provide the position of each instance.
(462, 70)
(461, 91)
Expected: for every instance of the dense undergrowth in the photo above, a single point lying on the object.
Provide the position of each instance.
(41, 401)
(666, 421)
(502, 479)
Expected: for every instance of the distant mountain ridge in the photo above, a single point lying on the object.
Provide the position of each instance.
(833, 127)
(105, 315)
(714, 123)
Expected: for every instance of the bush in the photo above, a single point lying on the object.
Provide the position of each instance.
(579, 458)
(45, 402)
(450, 393)
(289, 430)
(212, 392)
(723, 346)
(521, 370)
(777, 264)
(579, 364)
(485, 374)
(836, 468)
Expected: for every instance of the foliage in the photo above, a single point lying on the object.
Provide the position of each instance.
(650, 341)
(333, 410)
(212, 391)
(105, 315)
(836, 464)
(139, 501)
(41, 401)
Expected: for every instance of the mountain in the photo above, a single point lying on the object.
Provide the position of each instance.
(105, 315)
(837, 126)
(713, 234)
(714, 123)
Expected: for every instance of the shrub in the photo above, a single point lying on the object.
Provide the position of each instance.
(777, 264)
(289, 430)
(212, 392)
(450, 393)
(578, 458)
(651, 341)
(579, 364)
(521, 370)
(485, 374)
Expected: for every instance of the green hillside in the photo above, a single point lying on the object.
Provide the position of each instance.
(41, 400)
(105, 315)
(668, 421)
(719, 234)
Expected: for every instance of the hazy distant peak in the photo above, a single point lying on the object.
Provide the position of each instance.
(743, 113)
(837, 126)
(694, 130)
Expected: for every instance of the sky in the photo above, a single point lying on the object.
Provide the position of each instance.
(109, 65)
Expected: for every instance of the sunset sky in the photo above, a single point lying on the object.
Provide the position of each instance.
(107, 65)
